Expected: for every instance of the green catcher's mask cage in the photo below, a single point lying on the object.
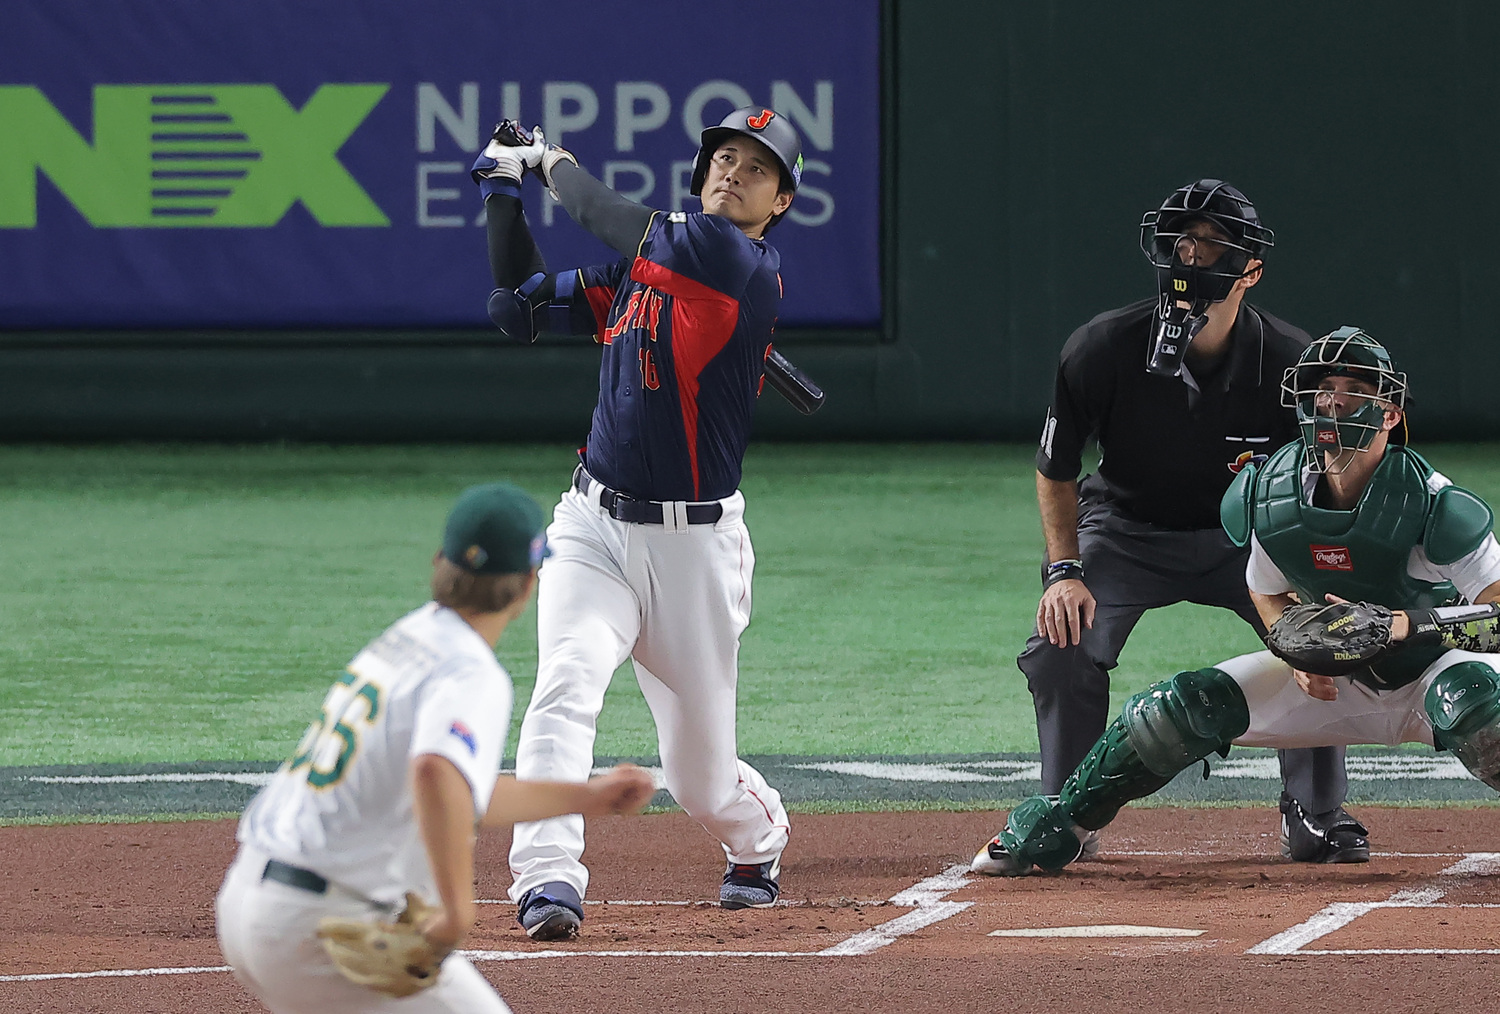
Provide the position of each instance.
(1326, 435)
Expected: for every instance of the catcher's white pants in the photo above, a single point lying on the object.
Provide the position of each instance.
(676, 603)
(266, 931)
(1283, 716)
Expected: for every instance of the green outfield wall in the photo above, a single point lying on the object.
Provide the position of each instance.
(1023, 142)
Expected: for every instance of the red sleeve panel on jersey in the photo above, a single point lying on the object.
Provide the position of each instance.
(599, 285)
(599, 299)
(703, 321)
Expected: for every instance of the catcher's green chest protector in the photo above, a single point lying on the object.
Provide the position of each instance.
(1360, 555)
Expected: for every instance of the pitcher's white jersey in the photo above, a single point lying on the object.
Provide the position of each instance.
(342, 805)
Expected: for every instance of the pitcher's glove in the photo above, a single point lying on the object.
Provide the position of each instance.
(393, 958)
(1331, 640)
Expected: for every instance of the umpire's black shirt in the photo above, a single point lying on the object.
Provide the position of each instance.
(1169, 446)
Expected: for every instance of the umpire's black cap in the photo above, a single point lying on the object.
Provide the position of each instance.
(766, 126)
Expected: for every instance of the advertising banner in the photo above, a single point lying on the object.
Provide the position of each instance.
(304, 163)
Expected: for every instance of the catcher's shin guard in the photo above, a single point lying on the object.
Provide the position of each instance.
(1037, 833)
(1463, 703)
(1161, 731)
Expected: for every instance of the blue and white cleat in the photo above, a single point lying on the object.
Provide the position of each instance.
(751, 885)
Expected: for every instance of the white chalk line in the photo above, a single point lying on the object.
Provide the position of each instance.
(1341, 913)
(925, 896)
(113, 973)
(841, 903)
(1412, 950)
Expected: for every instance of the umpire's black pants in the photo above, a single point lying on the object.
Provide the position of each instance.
(1132, 567)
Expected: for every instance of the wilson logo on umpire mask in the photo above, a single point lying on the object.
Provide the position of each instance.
(1200, 240)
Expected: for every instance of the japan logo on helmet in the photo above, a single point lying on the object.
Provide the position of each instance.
(761, 123)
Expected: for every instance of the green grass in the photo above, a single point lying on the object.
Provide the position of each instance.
(188, 603)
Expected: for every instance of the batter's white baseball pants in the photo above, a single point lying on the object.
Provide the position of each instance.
(676, 602)
(267, 932)
(1283, 716)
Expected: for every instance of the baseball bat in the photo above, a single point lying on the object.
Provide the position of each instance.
(795, 386)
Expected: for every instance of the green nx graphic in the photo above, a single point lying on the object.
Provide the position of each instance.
(173, 156)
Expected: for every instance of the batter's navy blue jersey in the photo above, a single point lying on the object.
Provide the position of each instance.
(685, 326)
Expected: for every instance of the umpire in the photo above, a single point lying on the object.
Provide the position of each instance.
(1181, 392)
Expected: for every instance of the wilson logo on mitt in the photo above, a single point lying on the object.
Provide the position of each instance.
(1331, 640)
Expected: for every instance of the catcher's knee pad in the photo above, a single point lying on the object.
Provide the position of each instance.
(1184, 719)
(1161, 730)
(1038, 833)
(1463, 704)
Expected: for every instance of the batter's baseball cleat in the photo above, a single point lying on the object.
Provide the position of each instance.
(751, 885)
(1332, 837)
(551, 912)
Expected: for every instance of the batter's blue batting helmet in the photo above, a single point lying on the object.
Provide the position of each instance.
(766, 126)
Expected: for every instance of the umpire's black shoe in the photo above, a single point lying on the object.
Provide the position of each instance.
(1332, 837)
(550, 912)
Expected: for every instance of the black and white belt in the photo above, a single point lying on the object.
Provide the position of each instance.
(295, 876)
(673, 514)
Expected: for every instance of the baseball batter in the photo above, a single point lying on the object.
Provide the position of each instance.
(1344, 513)
(382, 795)
(651, 557)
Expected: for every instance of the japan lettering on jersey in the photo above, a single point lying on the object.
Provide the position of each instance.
(341, 805)
(686, 326)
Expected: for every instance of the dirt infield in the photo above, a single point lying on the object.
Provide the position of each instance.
(874, 917)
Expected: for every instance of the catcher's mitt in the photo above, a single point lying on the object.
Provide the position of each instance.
(390, 957)
(1331, 640)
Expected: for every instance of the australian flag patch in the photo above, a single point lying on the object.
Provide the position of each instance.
(464, 734)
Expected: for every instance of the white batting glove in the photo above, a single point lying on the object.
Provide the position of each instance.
(509, 154)
(547, 156)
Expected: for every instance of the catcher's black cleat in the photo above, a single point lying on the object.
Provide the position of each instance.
(550, 912)
(1332, 837)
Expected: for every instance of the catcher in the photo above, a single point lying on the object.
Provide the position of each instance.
(1364, 562)
(323, 909)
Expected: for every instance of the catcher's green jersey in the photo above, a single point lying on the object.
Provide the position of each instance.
(1360, 554)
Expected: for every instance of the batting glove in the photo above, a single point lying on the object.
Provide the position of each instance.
(509, 154)
(550, 156)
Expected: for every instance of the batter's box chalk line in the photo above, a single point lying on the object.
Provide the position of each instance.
(1341, 913)
(924, 898)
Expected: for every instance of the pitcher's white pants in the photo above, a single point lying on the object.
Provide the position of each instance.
(1283, 716)
(676, 603)
(267, 933)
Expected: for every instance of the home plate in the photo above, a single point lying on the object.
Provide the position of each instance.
(1099, 931)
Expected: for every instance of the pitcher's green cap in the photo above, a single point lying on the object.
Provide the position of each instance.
(496, 528)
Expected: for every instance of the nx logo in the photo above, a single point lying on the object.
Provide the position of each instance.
(170, 156)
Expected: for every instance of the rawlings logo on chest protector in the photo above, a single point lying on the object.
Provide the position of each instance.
(1331, 558)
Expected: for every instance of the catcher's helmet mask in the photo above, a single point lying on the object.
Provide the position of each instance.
(768, 127)
(1186, 287)
(1326, 435)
